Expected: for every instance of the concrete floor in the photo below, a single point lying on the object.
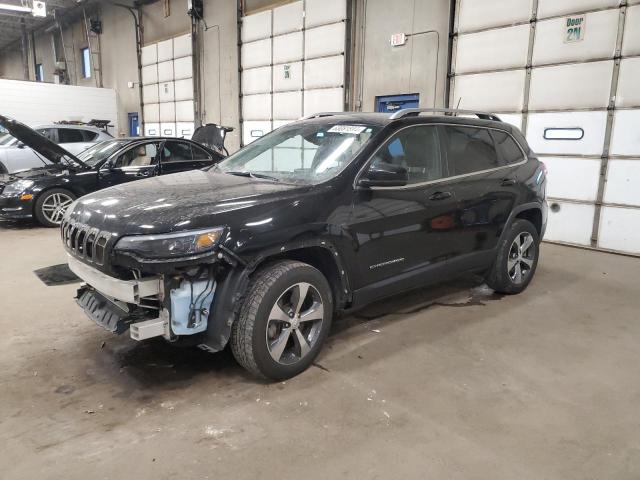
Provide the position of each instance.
(445, 383)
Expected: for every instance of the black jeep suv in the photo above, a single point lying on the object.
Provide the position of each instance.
(318, 217)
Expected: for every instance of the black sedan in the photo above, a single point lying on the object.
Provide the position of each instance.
(46, 192)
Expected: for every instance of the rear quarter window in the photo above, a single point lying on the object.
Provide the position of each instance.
(508, 149)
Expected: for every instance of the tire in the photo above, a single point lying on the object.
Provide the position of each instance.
(503, 276)
(49, 209)
(266, 331)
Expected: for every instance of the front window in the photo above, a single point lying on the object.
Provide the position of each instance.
(99, 152)
(301, 153)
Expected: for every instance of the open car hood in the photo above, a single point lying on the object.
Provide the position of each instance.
(211, 135)
(39, 143)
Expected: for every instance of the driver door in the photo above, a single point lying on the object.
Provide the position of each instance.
(401, 232)
(138, 162)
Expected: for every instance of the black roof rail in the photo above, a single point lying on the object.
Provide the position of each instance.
(405, 112)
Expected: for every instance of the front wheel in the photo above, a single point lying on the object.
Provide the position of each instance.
(284, 320)
(516, 259)
(51, 206)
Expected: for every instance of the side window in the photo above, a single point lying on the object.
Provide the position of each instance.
(469, 149)
(139, 156)
(46, 132)
(70, 135)
(200, 154)
(507, 148)
(417, 150)
(176, 152)
(88, 135)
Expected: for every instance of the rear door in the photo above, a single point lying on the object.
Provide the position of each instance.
(485, 185)
(178, 156)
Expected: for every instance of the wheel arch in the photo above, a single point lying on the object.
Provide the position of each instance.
(232, 289)
(48, 188)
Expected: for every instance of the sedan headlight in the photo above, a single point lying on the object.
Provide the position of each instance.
(17, 187)
(171, 245)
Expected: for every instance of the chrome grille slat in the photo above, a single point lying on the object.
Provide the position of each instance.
(85, 242)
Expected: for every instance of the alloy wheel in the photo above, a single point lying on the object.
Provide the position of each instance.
(294, 323)
(55, 206)
(521, 257)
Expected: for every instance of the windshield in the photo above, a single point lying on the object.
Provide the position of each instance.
(302, 152)
(99, 152)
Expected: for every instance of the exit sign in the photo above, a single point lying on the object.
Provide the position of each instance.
(398, 39)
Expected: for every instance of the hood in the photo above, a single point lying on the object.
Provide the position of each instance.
(37, 142)
(182, 201)
(34, 173)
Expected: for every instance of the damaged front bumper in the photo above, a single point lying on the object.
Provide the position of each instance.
(158, 305)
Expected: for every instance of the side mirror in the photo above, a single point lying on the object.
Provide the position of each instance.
(384, 175)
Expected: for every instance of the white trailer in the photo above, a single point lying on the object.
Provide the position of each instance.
(38, 103)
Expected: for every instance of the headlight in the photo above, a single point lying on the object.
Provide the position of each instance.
(171, 245)
(17, 187)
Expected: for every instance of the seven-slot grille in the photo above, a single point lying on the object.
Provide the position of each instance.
(87, 243)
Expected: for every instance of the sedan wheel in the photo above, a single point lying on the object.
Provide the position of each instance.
(52, 205)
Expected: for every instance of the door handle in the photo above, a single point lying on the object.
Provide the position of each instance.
(508, 182)
(440, 196)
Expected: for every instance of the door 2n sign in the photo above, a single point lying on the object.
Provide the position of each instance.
(574, 29)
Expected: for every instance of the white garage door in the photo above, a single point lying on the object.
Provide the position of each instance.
(568, 73)
(292, 60)
(167, 88)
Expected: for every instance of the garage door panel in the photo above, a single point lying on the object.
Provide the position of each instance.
(168, 129)
(149, 55)
(324, 72)
(256, 80)
(184, 111)
(623, 182)
(620, 229)
(151, 113)
(183, 68)
(165, 71)
(493, 50)
(165, 50)
(631, 40)
(573, 133)
(287, 105)
(478, 14)
(256, 54)
(152, 129)
(599, 40)
(167, 112)
(254, 129)
(150, 74)
(256, 107)
(625, 138)
(572, 178)
(185, 129)
(628, 94)
(499, 91)
(288, 48)
(549, 8)
(287, 76)
(182, 46)
(572, 223)
(166, 92)
(585, 85)
(323, 100)
(184, 89)
(281, 123)
(320, 12)
(256, 27)
(288, 18)
(324, 41)
(514, 119)
(150, 93)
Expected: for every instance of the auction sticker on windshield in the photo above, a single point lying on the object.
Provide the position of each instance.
(353, 129)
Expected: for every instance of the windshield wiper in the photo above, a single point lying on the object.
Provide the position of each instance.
(244, 173)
